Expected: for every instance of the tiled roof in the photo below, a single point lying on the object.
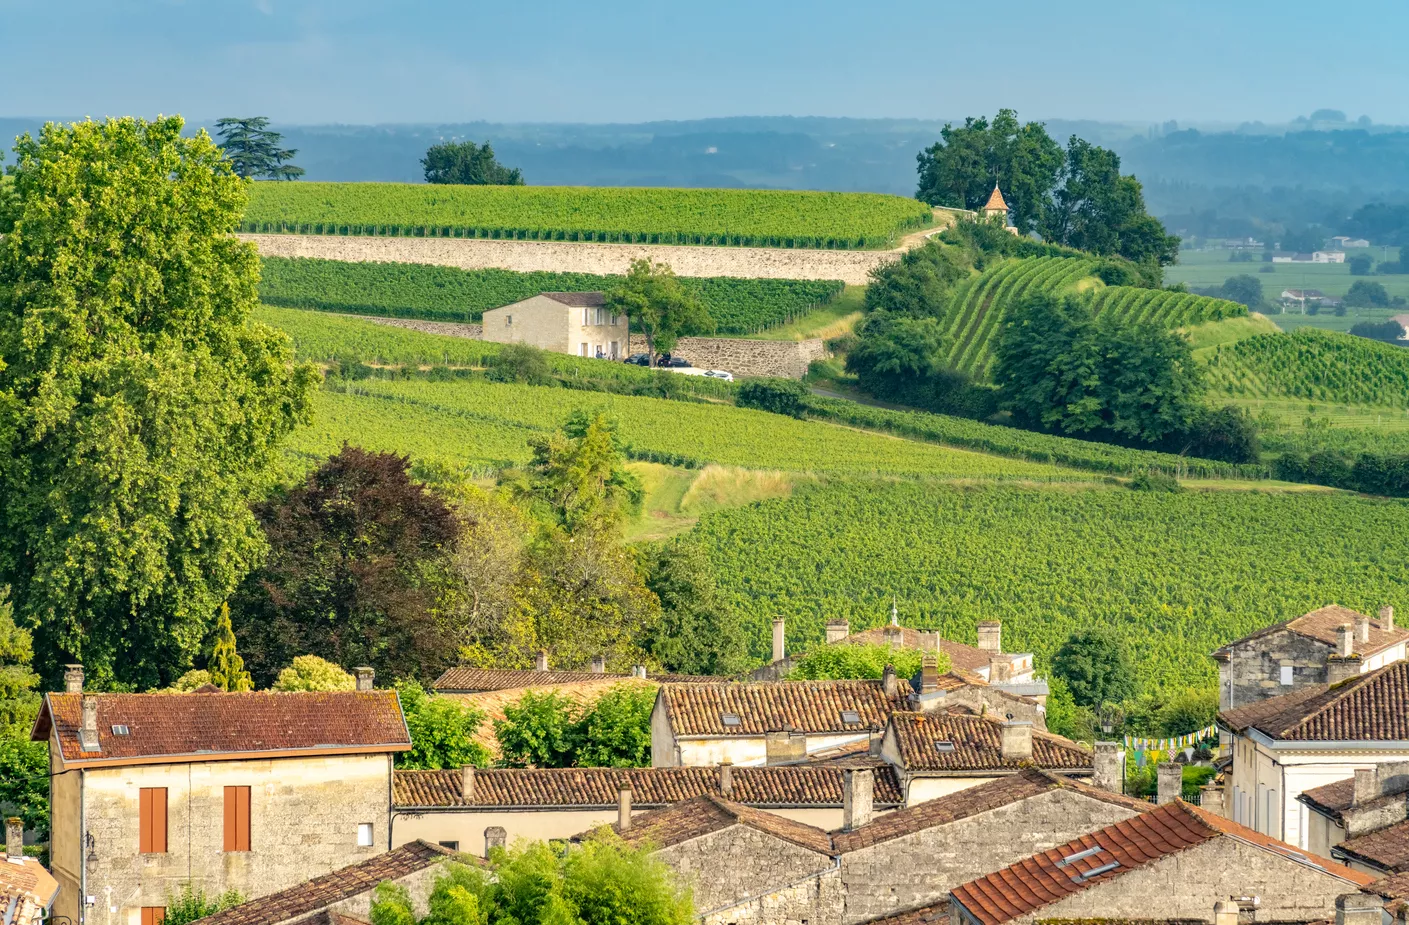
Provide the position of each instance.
(936, 914)
(1387, 849)
(977, 745)
(160, 726)
(477, 680)
(1027, 886)
(768, 706)
(321, 892)
(794, 785)
(329, 917)
(701, 816)
(1331, 799)
(28, 878)
(1322, 625)
(578, 299)
(971, 801)
(1240, 719)
(1394, 888)
(1370, 707)
(995, 201)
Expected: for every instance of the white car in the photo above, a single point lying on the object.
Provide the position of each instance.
(719, 374)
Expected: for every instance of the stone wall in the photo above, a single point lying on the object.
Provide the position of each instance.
(780, 358)
(567, 257)
(816, 900)
(1253, 670)
(739, 863)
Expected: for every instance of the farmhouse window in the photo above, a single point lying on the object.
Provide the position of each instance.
(364, 834)
(1286, 675)
(237, 818)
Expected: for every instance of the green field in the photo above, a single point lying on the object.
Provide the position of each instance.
(1318, 366)
(753, 218)
(435, 293)
(1175, 575)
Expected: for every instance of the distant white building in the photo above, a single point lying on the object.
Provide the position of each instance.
(1343, 242)
(1328, 257)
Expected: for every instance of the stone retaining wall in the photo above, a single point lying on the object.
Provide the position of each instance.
(568, 257)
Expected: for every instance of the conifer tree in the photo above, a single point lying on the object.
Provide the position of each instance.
(227, 669)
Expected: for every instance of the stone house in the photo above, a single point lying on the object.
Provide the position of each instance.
(1362, 821)
(252, 792)
(464, 809)
(27, 890)
(344, 896)
(768, 722)
(578, 323)
(1287, 656)
(1318, 735)
(1176, 862)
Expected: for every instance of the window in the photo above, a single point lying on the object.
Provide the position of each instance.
(730, 719)
(508, 320)
(237, 818)
(584, 316)
(120, 730)
(152, 806)
(944, 747)
(364, 834)
(153, 915)
(850, 717)
(583, 349)
(452, 845)
(1286, 675)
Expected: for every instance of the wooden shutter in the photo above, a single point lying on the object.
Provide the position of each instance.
(153, 915)
(152, 806)
(237, 818)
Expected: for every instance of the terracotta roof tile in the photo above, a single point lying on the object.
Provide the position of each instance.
(1387, 849)
(705, 815)
(28, 878)
(1322, 625)
(1239, 719)
(317, 894)
(971, 801)
(213, 724)
(796, 785)
(995, 201)
(1331, 799)
(1370, 707)
(1027, 886)
(768, 706)
(977, 744)
(1395, 888)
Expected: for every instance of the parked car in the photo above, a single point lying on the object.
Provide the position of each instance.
(638, 359)
(719, 374)
(667, 361)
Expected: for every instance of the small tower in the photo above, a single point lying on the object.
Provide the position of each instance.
(995, 210)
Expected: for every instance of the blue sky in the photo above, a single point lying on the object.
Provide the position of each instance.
(317, 61)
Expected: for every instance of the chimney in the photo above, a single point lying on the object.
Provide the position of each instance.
(1225, 912)
(1362, 627)
(877, 743)
(1341, 668)
(1387, 618)
(889, 684)
(857, 794)
(929, 674)
(366, 678)
(726, 779)
(780, 651)
(73, 679)
(928, 642)
(467, 783)
(894, 636)
(1000, 668)
(1017, 740)
(14, 838)
(1169, 783)
(638, 671)
(990, 635)
(1367, 787)
(1358, 909)
(599, 664)
(542, 662)
(88, 732)
(623, 806)
(494, 837)
(1108, 771)
(784, 746)
(1346, 640)
(837, 630)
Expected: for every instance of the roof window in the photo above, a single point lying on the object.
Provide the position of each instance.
(850, 717)
(944, 746)
(121, 730)
(1071, 858)
(730, 719)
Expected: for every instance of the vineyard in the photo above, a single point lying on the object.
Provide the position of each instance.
(1314, 365)
(436, 293)
(980, 305)
(729, 217)
(1175, 575)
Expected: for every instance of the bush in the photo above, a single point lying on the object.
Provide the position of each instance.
(850, 662)
(521, 363)
(192, 903)
(547, 730)
(1390, 332)
(442, 731)
(311, 673)
(1228, 434)
(1360, 265)
(1155, 481)
(780, 396)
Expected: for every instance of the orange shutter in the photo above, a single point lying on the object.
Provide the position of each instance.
(153, 810)
(153, 915)
(237, 818)
(144, 841)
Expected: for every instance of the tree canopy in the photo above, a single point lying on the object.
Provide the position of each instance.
(469, 164)
(652, 298)
(442, 731)
(139, 405)
(311, 673)
(256, 151)
(549, 730)
(1096, 668)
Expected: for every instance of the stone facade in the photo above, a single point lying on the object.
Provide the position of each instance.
(304, 819)
(1253, 671)
(740, 862)
(548, 324)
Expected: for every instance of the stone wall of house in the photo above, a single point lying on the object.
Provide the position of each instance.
(817, 900)
(569, 257)
(1187, 884)
(538, 321)
(739, 863)
(779, 358)
(1253, 671)
(919, 869)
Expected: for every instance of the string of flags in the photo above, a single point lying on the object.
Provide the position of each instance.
(1189, 740)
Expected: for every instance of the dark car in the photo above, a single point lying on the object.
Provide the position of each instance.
(667, 361)
(638, 359)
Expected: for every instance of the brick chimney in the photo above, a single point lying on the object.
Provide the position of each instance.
(890, 685)
(1169, 782)
(1107, 763)
(1345, 640)
(990, 635)
(837, 630)
(542, 662)
(726, 779)
(929, 674)
(858, 795)
(623, 806)
(494, 837)
(366, 678)
(1017, 740)
(14, 837)
(467, 783)
(88, 732)
(1362, 627)
(784, 746)
(1387, 618)
(780, 650)
(1341, 668)
(1225, 912)
(73, 679)
(599, 664)
(1358, 909)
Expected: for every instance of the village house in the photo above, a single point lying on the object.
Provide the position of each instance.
(252, 792)
(27, 890)
(1176, 863)
(1362, 821)
(1318, 735)
(578, 323)
(1344, 242)
(1288, 656)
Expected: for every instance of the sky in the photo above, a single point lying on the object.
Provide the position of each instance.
(447, 61)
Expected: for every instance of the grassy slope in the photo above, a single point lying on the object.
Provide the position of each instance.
(831, 320)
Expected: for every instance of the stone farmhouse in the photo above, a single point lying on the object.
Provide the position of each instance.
(578, 323)
(1362, 821)
(252, 792)
(27, 890)
(1318, 735)
(1315, 648)
(1175, 863)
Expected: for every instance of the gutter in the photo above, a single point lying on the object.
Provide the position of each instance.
(1342, 745)
(589, 807)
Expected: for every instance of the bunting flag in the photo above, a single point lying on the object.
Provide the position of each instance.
(1190, 740)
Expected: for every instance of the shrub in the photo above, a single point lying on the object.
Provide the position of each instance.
(191, 903)
(311, 673)
(1155, 481)
(850, 662)
(1228, 434)
(780, 396)
(521, 363)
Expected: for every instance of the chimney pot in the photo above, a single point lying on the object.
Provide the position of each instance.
(1017, 740)
(623, 807)
(1367, 786)
(1225, 912)
(990, 635)
(73, 679)
(599, 664)
(890, 685)
(1169, 783)
(542, 662)
(494, 837)
(1345, 636)
(366, 678)
(14, 837)
(1108, 767)
(780, 651)
(1387, 618)
(1341, 668)
(1359, 909)
(858, 796)
(88, 732)
(837, 630)
(467, 783)
(726, 779)
(1362, 627)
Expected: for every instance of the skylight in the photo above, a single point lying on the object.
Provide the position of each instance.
(120, 730)
(1070, 858)
(850, 717)
(731, 719)
(1095, 872)
(944, 747)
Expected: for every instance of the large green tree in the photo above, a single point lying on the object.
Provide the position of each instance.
(467, 163)
(24, 765)
(1096, 209)
(255, 150)
(655, 303)
(1096, 668)
(696, 633)
(139, 405)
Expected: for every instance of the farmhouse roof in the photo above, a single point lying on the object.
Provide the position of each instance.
(578, 299)
(961, 741)
(790, 785)
(315, 895)
(1322, 626)
(1370, 707)
(705, 815)
(995, 201)
(152, 728)
(971, 801)
(768, 706)
(1387, 848)
(1108, 854)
